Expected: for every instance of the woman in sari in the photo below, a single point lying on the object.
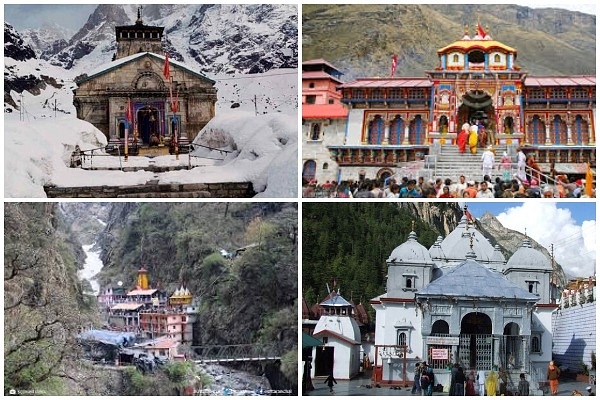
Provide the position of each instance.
(473, 139)
(461, 138)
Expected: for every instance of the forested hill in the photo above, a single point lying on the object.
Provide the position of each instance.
(44, 304)
(350, 242)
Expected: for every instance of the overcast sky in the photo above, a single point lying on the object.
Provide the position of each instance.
(23, 16)
(570, 226)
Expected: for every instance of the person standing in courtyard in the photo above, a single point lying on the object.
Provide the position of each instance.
(330, 381)
(523, 386)
(552, 376)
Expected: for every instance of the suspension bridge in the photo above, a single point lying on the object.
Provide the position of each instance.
(235, 353)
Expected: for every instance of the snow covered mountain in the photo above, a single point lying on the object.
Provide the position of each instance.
(220, 38)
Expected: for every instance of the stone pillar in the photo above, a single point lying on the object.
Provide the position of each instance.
(569, 133)
(591, 135)
(547, 125)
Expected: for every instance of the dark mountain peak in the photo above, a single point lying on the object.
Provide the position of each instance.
(14, 46)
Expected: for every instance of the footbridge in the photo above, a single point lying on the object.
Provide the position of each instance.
(235, 353)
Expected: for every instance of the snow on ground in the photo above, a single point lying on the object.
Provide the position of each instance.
(263, 138)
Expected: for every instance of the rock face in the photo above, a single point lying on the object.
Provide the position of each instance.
(14, 46)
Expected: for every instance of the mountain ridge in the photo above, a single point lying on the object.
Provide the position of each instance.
(339, 34)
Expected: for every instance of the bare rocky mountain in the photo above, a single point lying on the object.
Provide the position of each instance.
(361, 39)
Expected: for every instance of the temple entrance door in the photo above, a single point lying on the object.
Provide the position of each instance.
(324, 360)
(476, 105)
(148, 123)
(475, 346)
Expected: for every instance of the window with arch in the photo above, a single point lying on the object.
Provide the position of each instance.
(536, 343)
(497, 58)
(396, 130)
(417, 128)
(325, 166)
(309, 170)
(315, 131)
(311, 85)
(402, 338)
(581, 134)
(536, 130)
(532, 286)
(410, 281)
(559, 130)
(455, 58)
(376, 130)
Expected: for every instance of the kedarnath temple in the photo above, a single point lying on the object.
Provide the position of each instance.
(371, 127)
(136, 79)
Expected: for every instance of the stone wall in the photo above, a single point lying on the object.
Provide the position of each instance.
(574, 336)
(155, 190)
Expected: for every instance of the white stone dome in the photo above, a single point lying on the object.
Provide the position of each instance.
(410, 251)
(528, 257)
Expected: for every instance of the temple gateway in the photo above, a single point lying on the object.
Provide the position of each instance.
(136, 79)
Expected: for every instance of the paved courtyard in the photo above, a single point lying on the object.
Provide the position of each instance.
(358, 387)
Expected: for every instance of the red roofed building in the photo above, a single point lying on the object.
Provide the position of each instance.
(323, 119)
(394, 123)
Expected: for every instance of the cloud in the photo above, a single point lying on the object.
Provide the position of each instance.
(547, 224)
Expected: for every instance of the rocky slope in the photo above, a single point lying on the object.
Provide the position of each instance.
(361, 39)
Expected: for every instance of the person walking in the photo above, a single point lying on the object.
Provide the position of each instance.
(462, 137)
(470, 388)
(330, 381)
(473, 138)
(552, 376)
(487, 161)
(504, 166)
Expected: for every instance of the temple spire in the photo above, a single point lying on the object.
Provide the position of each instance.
(139, 16)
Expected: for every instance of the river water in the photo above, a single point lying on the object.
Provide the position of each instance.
(93, 265)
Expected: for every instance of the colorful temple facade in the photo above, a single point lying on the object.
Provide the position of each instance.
(391, 121)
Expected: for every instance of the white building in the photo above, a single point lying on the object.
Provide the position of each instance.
(462, 302)
(339, 332)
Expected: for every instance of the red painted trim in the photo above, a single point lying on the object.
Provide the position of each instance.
(337, 336)
(548, 305)
(396, 300)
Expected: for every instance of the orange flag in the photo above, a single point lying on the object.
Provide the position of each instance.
(589, 177)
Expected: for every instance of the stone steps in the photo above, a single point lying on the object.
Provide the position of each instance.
(452, 164)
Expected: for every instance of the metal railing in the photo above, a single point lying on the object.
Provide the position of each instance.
(236, 352)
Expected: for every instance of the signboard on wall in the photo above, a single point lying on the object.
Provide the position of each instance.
(439, 354)
(445, 341)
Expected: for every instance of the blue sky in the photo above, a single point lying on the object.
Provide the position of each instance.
(580, 210)
(568, 225)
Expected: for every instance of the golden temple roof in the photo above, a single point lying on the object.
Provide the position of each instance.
(485, 45)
